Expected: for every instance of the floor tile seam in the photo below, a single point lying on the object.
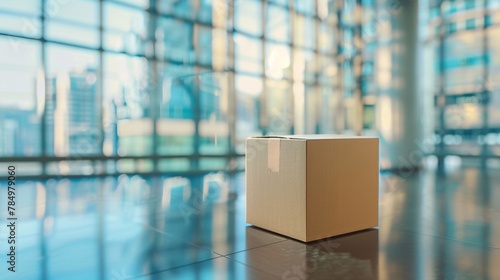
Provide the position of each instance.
(182, 240)
(199, 246)
(253, 248)
(176, 267)
(250, 266)
(203, 247)
(450, 239)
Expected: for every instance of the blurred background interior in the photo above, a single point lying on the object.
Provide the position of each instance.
(96, 96)
(137, 86)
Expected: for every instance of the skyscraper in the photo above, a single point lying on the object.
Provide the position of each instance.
(18, 132)
(72, 120)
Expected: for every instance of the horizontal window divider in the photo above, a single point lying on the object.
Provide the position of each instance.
(104, 158)
(186, 173)
(20, 14)
(478, 156)
(72, 23)
(144, 174)
(157, 13)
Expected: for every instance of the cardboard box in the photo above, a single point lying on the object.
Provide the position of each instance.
(310, 187)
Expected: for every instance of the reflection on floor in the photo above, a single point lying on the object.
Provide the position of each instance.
(431, 227)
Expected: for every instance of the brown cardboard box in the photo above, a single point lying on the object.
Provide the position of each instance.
(310, 187)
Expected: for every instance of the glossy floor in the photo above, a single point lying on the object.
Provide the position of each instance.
(431, 227)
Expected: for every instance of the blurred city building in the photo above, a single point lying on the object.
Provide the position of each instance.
(72, 124)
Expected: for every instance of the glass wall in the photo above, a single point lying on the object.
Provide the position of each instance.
(463, 37)
(171, 85)
(160, 85)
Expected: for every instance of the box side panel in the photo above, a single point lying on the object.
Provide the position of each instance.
(342, 186)
(275, 200)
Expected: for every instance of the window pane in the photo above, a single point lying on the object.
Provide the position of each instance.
(278, 61)
(213, 128)
(28, 7)
(73, 34)
(278, 24)
(206, 9)
(311, 110)
(204, 42)
(124, 29)
(73, 111)
(126, 102)
(494, 68)
(304, 66)
(78, 12)
(329, 104)
(304, 29)
(248, 110)
(21, 97)
(279, 2)
(248, 54)
(326, 40)
(305, 7)
(143, 4)
(176, 128)
(220, 49)
(175, 40)
(248, 17)
(279, 107)
(20, 18)
(182, 8)
(348, 80)
(326, 10)
(368, 116)
(75, 22)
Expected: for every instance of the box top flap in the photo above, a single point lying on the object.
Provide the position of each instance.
(314, 137)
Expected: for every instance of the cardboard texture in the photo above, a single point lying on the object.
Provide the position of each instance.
(310, 187)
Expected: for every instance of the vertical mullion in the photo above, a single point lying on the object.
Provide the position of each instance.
(100, 108)
(291, 21)
(43, 121)
(232, 114)
(264, 114)
(317, 61)
(195, 91)
(43, 136)
(100, 89)
(441, 95)
(340, 58)
(485, 94)
(154, 79)
(358, 68)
